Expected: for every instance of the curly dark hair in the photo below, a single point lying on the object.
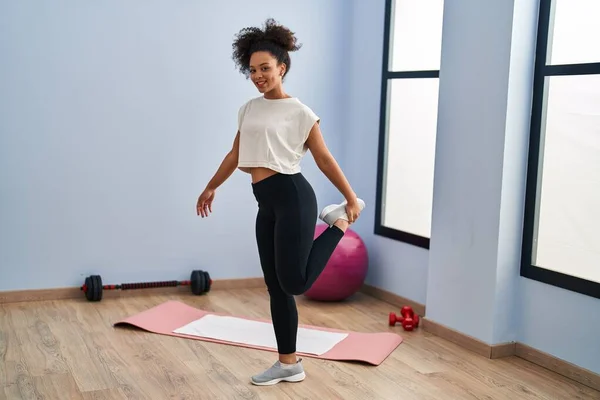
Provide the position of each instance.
(274, 38)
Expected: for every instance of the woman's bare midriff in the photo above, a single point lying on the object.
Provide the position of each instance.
(258, 173)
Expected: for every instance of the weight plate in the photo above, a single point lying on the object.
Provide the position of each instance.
(95, 288)
(93, 293)
(202, 282)
(195, 278)
(89, 294)
(99, 287)
(207, 281)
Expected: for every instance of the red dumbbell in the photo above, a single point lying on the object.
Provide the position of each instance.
(406, 310)
(408, 318)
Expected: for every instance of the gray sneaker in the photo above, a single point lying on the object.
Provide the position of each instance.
(278, 373)
(333, 212)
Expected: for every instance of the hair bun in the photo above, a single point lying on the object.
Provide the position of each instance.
(280, 35)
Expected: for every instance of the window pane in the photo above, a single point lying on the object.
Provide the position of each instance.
(568, 234)
(574, 37)
(416, 35)
(408, 194)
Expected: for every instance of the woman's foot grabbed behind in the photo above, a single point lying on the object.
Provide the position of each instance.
(342, 215)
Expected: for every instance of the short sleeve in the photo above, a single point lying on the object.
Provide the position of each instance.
(309, 117)
(241, 114)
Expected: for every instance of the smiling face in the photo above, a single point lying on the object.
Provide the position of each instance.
(265, 72)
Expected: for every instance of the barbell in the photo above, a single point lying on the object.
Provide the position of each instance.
(93, 288)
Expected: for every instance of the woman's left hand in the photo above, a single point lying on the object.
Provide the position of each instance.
(353, 211)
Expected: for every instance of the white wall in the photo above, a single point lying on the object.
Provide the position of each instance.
(469, 187)
(573, 336)
(114, 116)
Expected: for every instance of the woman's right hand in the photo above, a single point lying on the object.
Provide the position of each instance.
(204, 204)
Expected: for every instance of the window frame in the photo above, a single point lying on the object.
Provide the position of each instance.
(542, 70)
(387, 76)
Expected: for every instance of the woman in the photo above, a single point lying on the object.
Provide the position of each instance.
(274, 132)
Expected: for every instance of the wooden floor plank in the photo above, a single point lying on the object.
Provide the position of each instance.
(69, 349)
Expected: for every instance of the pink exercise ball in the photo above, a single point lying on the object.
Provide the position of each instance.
(345, 272)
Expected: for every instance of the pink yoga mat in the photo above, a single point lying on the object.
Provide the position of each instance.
(370, 348)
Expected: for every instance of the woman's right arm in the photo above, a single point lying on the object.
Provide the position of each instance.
(227, 167)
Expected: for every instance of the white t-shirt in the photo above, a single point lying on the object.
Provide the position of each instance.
(273, 133)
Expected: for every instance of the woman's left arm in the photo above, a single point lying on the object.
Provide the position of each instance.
(327, 163)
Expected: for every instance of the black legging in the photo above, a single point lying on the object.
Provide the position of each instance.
(291, 261)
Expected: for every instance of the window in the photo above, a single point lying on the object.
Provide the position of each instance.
(409, 104)
(561, 241)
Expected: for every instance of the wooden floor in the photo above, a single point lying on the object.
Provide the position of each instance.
(69, 350)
